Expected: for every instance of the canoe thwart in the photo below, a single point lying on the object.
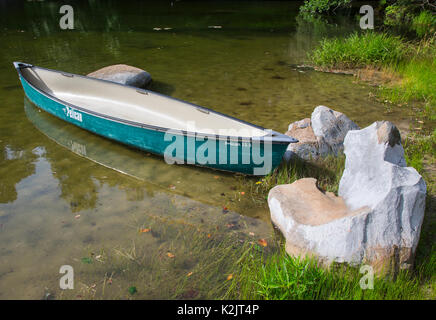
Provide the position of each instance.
(142, 92)
(202, 110)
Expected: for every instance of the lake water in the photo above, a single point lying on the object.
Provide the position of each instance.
(68, 197)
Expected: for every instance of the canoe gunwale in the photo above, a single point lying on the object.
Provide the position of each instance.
(274, 137)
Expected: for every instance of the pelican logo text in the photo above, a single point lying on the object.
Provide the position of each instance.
(73, 114)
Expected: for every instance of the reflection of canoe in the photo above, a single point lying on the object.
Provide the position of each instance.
(178, 130)
(192, 182)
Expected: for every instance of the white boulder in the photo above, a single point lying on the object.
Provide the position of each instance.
(124, 74)
(376, 176)
(330, 128)
(375, 220)
(320, 135)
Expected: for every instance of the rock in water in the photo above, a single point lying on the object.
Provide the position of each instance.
(123, 74)
(320, 135)
(377, 217)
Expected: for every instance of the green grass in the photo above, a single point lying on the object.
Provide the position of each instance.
(359, 50)
(417, 147)
(418, 84)
(281, 277)
(414, 63)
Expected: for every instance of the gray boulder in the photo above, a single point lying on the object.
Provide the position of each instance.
(123, 74)
(376, 176)
(320, 135)
(377, 217)
(330, 127)
(307, 146)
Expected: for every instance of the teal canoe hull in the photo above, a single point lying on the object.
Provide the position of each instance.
(229, 155)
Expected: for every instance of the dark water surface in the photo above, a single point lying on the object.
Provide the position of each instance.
(66, 194)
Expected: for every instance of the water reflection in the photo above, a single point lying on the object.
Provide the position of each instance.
(15, 165)
(78, 188)
(41, 18)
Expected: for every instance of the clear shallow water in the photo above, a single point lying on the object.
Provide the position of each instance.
(51, 172)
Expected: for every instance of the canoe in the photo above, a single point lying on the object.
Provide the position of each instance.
(181, 132)
(155, 174)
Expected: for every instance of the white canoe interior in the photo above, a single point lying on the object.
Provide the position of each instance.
(127, 103)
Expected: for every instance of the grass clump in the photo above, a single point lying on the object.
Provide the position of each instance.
(282, 277)
(410, 66)
(419, 82)
(418, 78)
(359, 50)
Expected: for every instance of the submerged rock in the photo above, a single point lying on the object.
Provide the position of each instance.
(320, 135)
(123, 74)
(377, 217)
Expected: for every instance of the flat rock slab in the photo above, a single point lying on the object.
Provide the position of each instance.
(124, 74)
(306, 204)
(314, 223)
